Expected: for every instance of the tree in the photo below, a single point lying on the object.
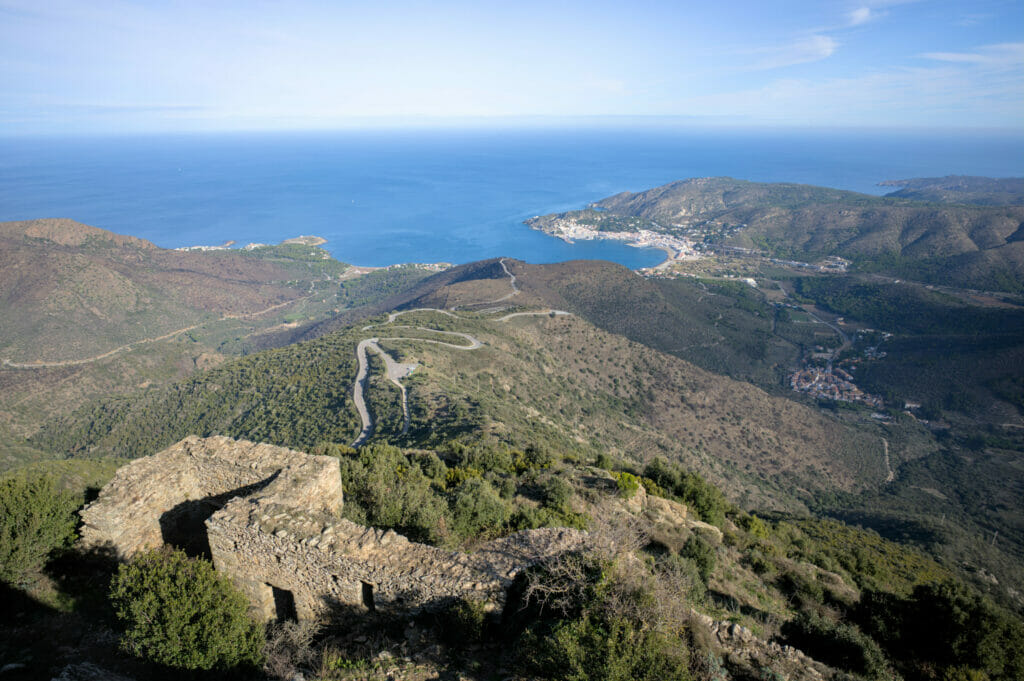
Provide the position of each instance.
(179, 612)
(36, 519)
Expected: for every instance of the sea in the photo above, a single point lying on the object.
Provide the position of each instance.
(381, 197)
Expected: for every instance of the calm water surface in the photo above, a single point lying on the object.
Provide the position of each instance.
(426, 196)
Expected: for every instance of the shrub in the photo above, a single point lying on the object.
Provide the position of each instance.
(698, 550)
(533, 459)
(464, 622)
(393, 492)
(588, 617)
(946, 625)
(36, 519)
(182, 614)
(705, 499)
(838, 644)
(627, 483)
(507, 488)
(477, 510)
(684, 576)
(599, 649)
(557, 494)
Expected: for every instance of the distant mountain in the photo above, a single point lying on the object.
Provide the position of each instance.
(982, 191)
(966, 245)
(69, 291)
(88, 312)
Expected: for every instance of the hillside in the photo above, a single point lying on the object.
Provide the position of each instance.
(982, 191)
(547, 382)
(90, 313)
(525, 396)
(975, 246)
(72, 292)
(955, 355)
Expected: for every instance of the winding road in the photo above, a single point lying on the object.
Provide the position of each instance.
(142, 341)
(890, 475)
(396, 371)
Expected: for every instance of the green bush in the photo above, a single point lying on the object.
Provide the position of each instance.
(179, 612)
(838, 644)
(601, 649)
(464, 622)
(702, 553)
(557, 493)
(945, 626)
(587, 624)
(705, 499)
(627, 483)
(385, 488)
(477, 510)
(36, 519)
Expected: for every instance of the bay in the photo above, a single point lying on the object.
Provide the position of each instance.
(386, 196)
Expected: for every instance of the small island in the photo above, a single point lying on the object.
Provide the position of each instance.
(305, 241)
(298, 240)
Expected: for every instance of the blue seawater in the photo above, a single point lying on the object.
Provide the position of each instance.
(382, 197)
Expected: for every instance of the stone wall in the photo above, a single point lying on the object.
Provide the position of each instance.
(166, 498)
(325, 563)
(270, 518)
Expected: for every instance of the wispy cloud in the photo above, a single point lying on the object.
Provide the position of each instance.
(950, 93)
(810, 49)
(1001, 54)
(134, 108)
(861, 15)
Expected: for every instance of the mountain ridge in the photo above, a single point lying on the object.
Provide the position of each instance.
(981, 246)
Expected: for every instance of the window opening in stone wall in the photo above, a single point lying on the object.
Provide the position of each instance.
(284, 604)
(368, 596)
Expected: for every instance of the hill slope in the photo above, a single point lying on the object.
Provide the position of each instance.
(982, 191)
(979, 246)
(71, 291)
(537, 380)
(87, 312)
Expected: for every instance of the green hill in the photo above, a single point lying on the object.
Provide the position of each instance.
(982, 191)
(90, 313)
(968, 245)
(565, 395)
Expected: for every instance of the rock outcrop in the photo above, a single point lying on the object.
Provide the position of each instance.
(270, 518)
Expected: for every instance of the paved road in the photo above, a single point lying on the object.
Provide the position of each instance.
(540, 313)
(891, 475)
(142, 341)
(395, 372)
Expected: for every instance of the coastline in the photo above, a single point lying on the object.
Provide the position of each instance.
(230, 244)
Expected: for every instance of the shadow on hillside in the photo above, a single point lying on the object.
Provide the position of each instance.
(892, 527)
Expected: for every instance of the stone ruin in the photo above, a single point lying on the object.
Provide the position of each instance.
(270, 518)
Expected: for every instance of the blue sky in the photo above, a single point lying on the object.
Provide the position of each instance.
(179, 65)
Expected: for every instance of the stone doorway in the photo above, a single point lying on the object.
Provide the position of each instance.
(368, 597)
(284, 604)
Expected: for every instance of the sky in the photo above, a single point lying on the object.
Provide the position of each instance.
(79, 66)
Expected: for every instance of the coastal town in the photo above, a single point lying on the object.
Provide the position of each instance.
(571, 229)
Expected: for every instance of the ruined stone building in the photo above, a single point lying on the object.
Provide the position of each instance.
(270, 518)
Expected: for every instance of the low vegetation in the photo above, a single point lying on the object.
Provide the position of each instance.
(178, 612)
(37, 518)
